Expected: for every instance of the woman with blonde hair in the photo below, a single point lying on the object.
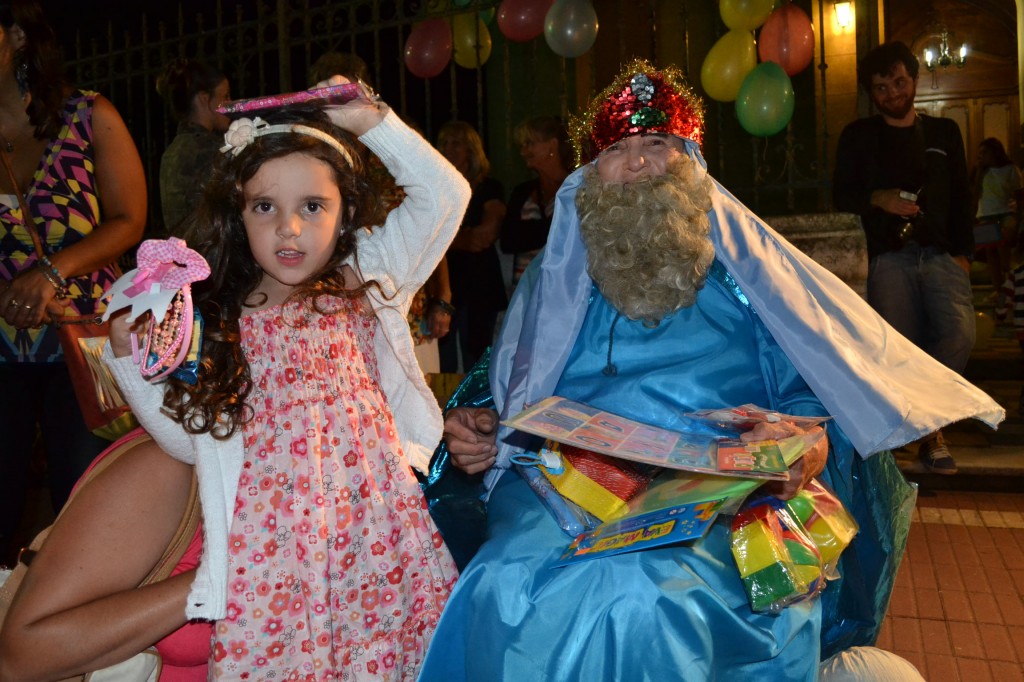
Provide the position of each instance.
(478, 291)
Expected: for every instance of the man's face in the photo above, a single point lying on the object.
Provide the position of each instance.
(894, 94)
(637, 156)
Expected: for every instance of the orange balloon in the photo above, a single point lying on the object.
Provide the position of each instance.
(787, 39)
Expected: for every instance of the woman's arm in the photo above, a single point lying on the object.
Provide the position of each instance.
(121, 186)
(79, 607)
(439, 300)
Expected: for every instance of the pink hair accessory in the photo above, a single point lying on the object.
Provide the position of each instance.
(161, 285)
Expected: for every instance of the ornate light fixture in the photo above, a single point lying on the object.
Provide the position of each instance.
(944, 57)
(844, 13)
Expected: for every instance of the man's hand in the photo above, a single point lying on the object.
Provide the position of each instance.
(890, 201)
(805, 468)
(470, 433)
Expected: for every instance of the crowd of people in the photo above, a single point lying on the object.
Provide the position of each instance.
(334, 234)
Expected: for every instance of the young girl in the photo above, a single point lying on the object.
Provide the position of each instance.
(321, 560)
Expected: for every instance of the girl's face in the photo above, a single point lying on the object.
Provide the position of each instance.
(292, 218)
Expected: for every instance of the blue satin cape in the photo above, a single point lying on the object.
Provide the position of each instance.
(770, 327)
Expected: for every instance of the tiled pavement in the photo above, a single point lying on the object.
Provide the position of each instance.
(957, 610)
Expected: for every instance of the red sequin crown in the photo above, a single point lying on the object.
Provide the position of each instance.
(641, 99)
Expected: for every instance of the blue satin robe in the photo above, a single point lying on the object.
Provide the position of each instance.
(677, 612)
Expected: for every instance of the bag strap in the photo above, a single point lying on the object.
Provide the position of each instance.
(26, 214)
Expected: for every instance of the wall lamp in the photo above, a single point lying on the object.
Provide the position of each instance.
(844, 13)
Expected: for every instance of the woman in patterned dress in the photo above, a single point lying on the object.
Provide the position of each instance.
(76, 165)
(321, 561)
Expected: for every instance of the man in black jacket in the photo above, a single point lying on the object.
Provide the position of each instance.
(905, 174)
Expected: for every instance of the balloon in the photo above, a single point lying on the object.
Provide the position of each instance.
(461, 3)
(745, 14)
(522, 20)
(727, 64)
(469, 30)
(428, 47)
(487, 15)
(570, 27)
(787, 39)
(765, 102)
(984, 327)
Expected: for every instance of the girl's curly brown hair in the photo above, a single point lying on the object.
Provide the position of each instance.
(216, 404)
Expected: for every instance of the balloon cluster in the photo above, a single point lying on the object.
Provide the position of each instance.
(569, 27)
(763, 92)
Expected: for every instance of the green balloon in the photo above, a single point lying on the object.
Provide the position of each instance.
(765, 101)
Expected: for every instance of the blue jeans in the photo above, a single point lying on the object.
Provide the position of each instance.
(926, 296)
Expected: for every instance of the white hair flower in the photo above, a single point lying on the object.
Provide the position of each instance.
(244, 131)
(240, 133)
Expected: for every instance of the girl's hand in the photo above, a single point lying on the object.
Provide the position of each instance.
(121, 330)
(358, 116)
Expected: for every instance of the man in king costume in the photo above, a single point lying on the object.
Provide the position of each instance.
(658, 294)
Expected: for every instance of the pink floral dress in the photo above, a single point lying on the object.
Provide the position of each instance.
(337, 571)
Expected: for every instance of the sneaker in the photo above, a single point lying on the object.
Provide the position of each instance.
(935, 455)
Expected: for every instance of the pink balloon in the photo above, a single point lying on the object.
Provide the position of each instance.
(787, 39)
(522, 20)
(428, 48)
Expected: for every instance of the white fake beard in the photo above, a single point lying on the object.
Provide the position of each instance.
(648, 242)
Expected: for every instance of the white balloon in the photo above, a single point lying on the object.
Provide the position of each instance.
(570, 27)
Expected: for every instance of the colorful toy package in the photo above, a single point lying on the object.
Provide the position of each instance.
(600, 484)
(780, 560)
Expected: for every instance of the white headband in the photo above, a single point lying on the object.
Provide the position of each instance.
(243, 131)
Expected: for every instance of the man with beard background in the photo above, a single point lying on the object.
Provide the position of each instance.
(657, 294)
(905, 174)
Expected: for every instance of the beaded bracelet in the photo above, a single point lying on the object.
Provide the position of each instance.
(443, 305)
(53, 276)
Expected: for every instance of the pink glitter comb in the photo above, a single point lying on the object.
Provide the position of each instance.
(332, 94)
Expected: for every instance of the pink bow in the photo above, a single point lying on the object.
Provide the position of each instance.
(169, 263)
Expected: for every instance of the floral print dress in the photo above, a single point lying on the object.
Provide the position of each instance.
(337, 571)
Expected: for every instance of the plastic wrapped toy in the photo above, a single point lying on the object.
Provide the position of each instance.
(780, 558)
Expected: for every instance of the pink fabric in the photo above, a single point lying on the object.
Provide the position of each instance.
(186, 651)
(336, 568)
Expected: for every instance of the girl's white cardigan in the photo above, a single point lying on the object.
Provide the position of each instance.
(399, 255)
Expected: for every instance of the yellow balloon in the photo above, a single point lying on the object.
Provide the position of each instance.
(469, 31)
(745, 14)
(727, 64)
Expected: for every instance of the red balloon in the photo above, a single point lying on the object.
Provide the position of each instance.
(428, 47)
(787, 39)
(523, 20)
